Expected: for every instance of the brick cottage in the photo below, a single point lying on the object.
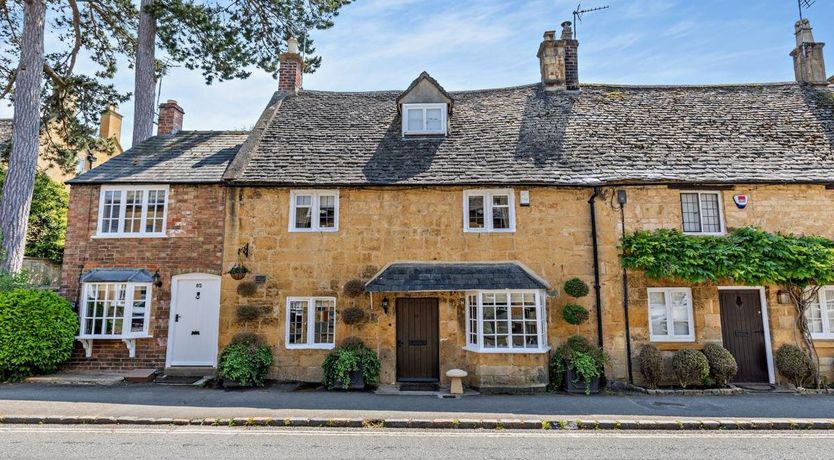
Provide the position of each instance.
(461, 214)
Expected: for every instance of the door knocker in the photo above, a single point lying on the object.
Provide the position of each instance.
(198, 295)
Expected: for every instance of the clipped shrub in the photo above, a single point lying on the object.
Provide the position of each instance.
(353, 341)
(249, 313)
(245, 363)
(247, 338)
(354, 288)
(247, 288)
(344, 361)
(37, 333)
(650, 362)
(722, 364)
(690, 366)
(575, 287)
(353, 315)
(575, 314)
(794, 364)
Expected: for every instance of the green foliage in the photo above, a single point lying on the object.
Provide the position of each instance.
(247, 337)
(575, 314)
(12, 281)
(691, 367)
(47, 219)
(575, 287)
(344, 360)
(650, 362)
(794, 364)
(37, 333)
(225, 39)
(747, 255)
(245, 363)
(565, 353)
(586, 368)
(722, 364)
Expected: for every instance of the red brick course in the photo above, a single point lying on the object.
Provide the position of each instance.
(194, 245)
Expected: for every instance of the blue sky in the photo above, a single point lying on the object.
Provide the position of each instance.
(468, 44)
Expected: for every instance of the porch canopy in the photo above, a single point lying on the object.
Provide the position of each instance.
(117, 275)
(454, 276)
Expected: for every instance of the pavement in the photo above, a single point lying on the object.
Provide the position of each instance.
(85, 442)
(278, 405)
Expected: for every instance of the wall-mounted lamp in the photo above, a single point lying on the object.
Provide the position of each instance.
(385, 305)
(783, 297)
(157, 279)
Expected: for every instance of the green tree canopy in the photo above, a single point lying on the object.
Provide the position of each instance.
(47, 219)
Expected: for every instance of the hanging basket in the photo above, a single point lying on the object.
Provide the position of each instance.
(238, 272)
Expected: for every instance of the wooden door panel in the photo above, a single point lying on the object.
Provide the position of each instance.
(418, 339)
(742, 329)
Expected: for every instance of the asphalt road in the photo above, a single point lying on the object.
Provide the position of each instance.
(225, 442)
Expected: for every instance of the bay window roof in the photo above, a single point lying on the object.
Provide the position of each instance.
(454, 276)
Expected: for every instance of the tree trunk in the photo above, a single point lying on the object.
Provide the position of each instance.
(20, 178)
(143, 107)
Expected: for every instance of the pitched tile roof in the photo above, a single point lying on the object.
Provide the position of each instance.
(604, 134)
(186, 157)
(456, 276)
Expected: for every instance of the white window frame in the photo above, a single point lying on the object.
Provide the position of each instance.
(423, 107)
(311, 331)
(541, 322)
(670, 326)
(124, 189)
(827, 332)
(315, 209)
(721, 222)
(488, 195)
(128, 312)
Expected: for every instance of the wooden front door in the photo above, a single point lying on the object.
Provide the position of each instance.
(743, 331)
(418, 340)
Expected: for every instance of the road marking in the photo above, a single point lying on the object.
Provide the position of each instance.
(360, 432)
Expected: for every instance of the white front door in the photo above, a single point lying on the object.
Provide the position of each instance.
(195, 316)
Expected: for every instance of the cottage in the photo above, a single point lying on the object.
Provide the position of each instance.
(459, 215)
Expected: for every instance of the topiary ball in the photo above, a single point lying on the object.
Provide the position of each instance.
(577, 288)
(722, 364)
(650, 362)
(575, 314)
(690, 366)
(794, 364)
(37, 333)
(354, 288)
(353, 315)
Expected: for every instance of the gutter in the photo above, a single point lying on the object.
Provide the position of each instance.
(595, 244)
(622, 199)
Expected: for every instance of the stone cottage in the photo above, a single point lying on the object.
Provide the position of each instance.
(460, 214)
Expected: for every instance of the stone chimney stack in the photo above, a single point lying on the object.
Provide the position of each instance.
(558, 60)
(110, 126)
(170, 118)
(808, 62)
(292, 68)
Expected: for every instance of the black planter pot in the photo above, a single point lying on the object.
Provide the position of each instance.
(357, 381)
(579, 387)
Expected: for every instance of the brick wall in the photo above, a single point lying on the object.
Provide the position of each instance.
(194, 244)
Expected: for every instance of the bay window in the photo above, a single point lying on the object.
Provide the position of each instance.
(115, 310)
(506, 322)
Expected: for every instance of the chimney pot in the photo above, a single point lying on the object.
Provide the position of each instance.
(567, 32)
(170, 118)
(292, 68)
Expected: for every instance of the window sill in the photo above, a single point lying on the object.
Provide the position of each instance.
(313, 230)
(662, 340)
(824, 338)
(324, 346)
(472, 230)
(704, 234)
(529, 351)
(104, 236)
(114, 337)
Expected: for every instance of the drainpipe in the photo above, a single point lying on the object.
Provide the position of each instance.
(595, 243)
(622, 198)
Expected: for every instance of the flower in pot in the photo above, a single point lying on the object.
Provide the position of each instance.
(238, 271)
(577, 366)
(352, 366)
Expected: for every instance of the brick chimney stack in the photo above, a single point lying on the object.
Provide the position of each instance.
(170, 118)
(808, 62)
(558, 60)
(292, 67)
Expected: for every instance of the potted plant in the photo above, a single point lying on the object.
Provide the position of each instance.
(238, 271)
(352, 366)
(244, 363)
(577, 366)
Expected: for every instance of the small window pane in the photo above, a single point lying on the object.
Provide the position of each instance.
(500, 212)
(327, 211)
(415, 119)
(154, 222)
(476, 212)
(325, 322)
(133, 211)
(814, 316)
(140, 297)
(110, 211)
(303, 217)
(303, 200)
(297, 323)
(829, 302)
(691, 212)
(711, 218)
(433, 120)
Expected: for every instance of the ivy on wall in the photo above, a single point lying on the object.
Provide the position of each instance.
(800, 265)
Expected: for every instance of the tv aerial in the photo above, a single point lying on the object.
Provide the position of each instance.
(804, 5)
(579, 12)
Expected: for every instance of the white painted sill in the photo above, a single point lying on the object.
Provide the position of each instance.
(321, 346)
(104, 236)
(672, 340)
(529, 351)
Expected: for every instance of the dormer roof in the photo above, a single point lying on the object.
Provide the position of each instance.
(424, 90)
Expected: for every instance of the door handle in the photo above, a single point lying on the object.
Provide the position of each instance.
(176, 318)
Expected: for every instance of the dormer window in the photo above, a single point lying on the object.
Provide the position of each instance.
(424, 119)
